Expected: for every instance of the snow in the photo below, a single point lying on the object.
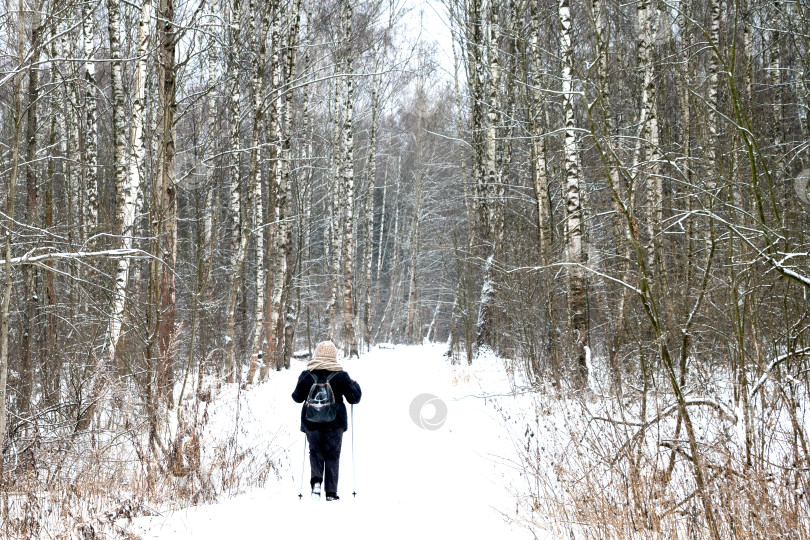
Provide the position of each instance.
(592, 380)
(453, 477)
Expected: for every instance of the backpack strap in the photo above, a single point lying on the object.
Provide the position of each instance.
(329, 378)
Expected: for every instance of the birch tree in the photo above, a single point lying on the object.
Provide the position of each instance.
(474, 34)
(254, 195)
(236, 217)
(347, 159)
(131, 183)
(489, 192)
(539, 157)
(334, 242)
(711, 114)
(285, 227)
(127, 181)
(281, 246)
(647, 15)
(573, 214)
(213, 60)
(371, 182)
(663, 140)
(90, 122)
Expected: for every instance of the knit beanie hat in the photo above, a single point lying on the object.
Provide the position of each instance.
(325, 357)
(326, 351)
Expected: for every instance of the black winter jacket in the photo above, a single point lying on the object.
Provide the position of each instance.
(342, 385)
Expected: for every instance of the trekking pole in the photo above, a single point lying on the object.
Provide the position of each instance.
(354, 491)
(303, 468)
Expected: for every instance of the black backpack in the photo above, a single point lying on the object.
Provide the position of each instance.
(320, 406)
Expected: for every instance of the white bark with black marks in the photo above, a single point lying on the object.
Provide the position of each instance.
(350, 344)
(236, 219)
(129, 183)
(573, 204)
(539, 139)
(254, 188)
(91, 123)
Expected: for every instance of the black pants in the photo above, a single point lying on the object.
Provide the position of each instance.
(324, 454)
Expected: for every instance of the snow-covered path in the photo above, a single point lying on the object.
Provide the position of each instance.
(411, 482)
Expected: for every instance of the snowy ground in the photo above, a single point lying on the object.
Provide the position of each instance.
(457, 480)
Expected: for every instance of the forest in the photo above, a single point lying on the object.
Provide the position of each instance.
(610, 196)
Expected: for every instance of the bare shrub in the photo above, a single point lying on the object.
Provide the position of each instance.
(595, 471)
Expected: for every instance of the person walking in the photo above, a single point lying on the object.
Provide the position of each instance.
(321, 388)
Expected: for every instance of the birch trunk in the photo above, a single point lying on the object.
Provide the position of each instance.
(711, 113)
(490, 211)
(475, 77)
(244, 233)
(748, 48)
(234, 196)
(128, 192)
(775, 79)
(350, 343)
(335, 241)
(544, 230)
(91, 124)
(285, 226)
(72, 120)
(275, 335)
(253, 183)
(261, 278)
(62, 113)
(573, 221)
(545, 214)
(371, 176)
(647, 15)
(234, 185)
(126, 188)
(208, 224)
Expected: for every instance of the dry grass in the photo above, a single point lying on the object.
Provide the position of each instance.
(92, 485)
(596, 473)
